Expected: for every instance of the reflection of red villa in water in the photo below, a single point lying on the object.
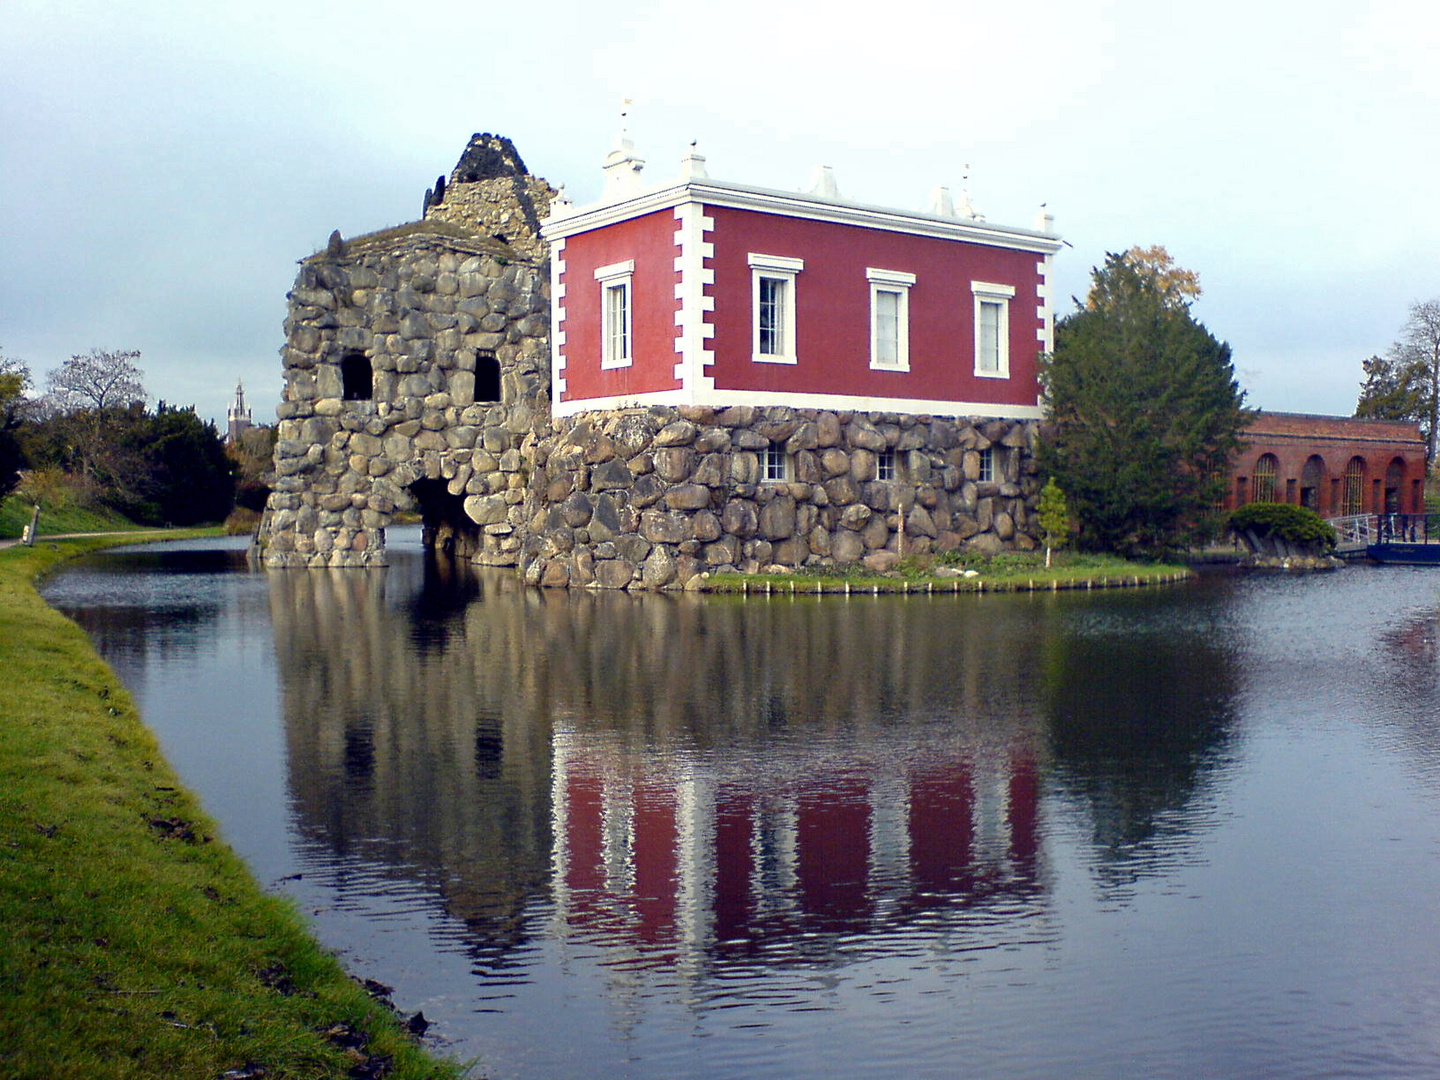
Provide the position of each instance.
(664, 865)
(1335, 465)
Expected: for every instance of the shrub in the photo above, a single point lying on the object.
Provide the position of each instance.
(1295, 527)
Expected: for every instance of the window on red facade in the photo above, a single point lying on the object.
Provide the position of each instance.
(1263, 488)
(1353, 499)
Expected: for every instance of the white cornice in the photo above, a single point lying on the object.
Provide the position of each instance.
(838, 402)
(572, 220)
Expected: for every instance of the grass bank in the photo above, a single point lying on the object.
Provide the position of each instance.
(15, 514)
(136, 943)
(1008, 572)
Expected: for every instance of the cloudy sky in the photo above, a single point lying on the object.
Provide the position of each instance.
(163, 165)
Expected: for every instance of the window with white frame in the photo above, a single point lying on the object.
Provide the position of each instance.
(992, 328)
(775, 464)
(615, 313)
(886, 467)
(773, 303)
(987, 466)
(889, 318)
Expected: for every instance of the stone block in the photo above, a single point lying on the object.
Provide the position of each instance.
(611, 475)
(777, 519)
(740, 518)
(647, 491)
(660, 527)
(863, 435)
(632, 547)
(688, 497)
(674, 464)
(678, 433)
(842, 491)
(919, 523)
(485, 509)
(876, 532)
(745, 467)
(881, 561)
(614, 573)
(658, 570)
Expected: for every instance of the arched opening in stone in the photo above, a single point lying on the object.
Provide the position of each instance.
(1312, 479)
(487, 377)
(357, 378)
(445, 527)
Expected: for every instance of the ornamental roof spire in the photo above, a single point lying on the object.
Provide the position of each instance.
(622, 165)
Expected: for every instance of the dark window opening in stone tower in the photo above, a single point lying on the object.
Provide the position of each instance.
(357, 377)
(487, 377)
(445, 527)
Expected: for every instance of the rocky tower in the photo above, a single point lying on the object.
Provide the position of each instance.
(417, 365)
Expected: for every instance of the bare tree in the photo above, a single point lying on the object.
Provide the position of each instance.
(97, 381)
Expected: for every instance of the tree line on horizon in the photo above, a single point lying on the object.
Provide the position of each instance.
(92, 440)
(1144, 414)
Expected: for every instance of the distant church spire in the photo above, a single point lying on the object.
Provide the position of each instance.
(238, 418)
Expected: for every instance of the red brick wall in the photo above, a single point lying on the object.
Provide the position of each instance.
(1294, 438)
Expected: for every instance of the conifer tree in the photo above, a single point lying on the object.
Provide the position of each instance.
(1145, 412)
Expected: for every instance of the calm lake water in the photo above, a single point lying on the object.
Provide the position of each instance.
(1180, 832)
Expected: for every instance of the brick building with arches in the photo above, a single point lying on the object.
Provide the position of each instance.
(1335, 465)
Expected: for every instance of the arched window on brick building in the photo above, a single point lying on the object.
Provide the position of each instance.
(1312, 480)
(1353, 498)
(1263, 487)
(1394, 485)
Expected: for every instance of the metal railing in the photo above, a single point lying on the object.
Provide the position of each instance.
(1409, 529)
(1354, 531)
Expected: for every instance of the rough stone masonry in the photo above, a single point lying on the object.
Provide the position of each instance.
(417, 378)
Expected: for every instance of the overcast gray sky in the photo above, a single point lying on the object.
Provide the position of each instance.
(164, 165)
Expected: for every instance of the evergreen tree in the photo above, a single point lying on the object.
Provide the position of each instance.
(1144, 408)
(14, 380)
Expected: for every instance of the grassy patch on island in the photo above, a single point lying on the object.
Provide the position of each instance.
(1009, 571)
(136, 943)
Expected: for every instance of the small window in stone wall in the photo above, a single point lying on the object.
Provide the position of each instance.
(487, 377)
(885, 466)
(775, 464)
(357, 378)
(987, 466)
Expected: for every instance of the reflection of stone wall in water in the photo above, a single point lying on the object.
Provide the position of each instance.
(419, 727)
(424, 730)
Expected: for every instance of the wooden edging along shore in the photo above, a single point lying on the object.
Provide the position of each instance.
(770, 585)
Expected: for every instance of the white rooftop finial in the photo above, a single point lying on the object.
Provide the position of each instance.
(941, 204)
(966, 207)
(824, 183)
(1044, 220)
(692, 165)
(622, 166)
